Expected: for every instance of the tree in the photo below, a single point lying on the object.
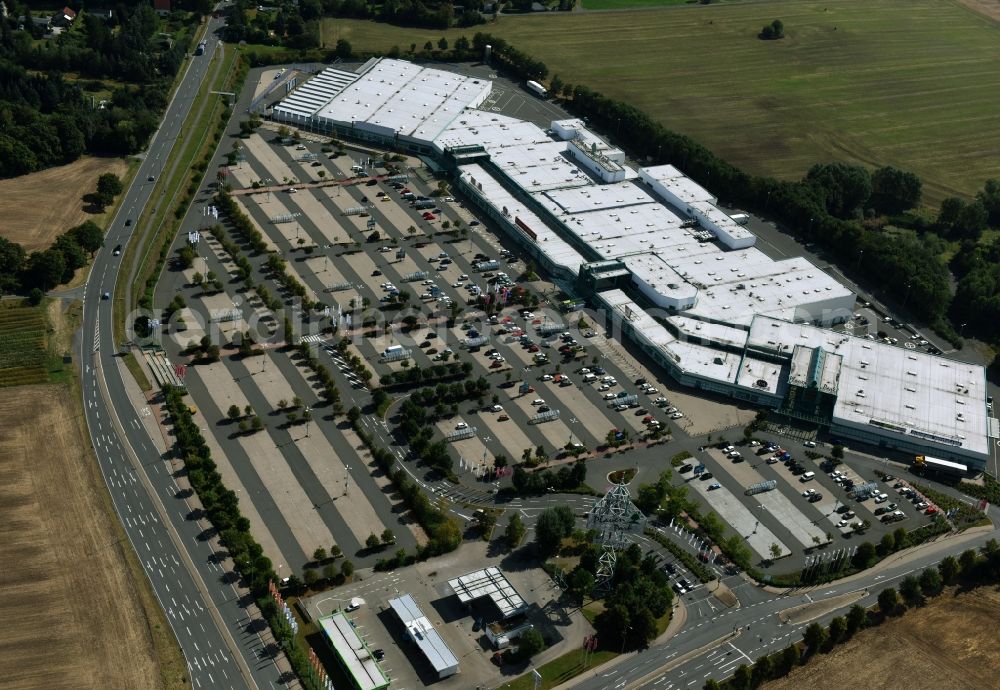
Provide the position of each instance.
(888, 601)
(443, 43)
(910, 589)
(309, 576)
(887, 544)
(857, 616)
(971, 222)
(949, 569)
(791, 656)
(347, 568)
(234, 412)
(556, 85)
(948, 211)
(865, 555)
(514, 532)
(843, 187)
(837, 452)
(330, 572)
(387, 536)
(319, 555)
(894, 191)
(109, 185)
(256, 423)
(373, 542)
(581, 583)
(197, 279)
(814, 637)
(343, 49)
(968, 560)
(553, 525)
(243, 426)
(775, 551)
(530, 643)
(742, 677)
(838, 629)
(772, 31)
(931, 582)
(88, 235)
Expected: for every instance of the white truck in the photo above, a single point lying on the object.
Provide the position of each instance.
(537, 89)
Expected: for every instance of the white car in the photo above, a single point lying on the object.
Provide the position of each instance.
(604, 387)
(808, 492)
(809, 444)
(537, 402)
(547, 377)
(461, 425)
(677, 415)
(610, 396)
(585, 370)
(497, 408)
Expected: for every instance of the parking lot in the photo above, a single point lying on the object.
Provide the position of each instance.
(420, 259)
(802, 503)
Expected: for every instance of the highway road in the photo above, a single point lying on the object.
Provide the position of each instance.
(220, 645)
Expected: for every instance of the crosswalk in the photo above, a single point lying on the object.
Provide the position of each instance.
(97, 335)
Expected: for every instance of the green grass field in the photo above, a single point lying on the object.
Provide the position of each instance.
(914, 84)
(627, 4)
(23, 352)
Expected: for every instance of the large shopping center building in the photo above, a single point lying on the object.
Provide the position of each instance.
(651, 247)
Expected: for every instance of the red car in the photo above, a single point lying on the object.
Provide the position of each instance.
(430, 216)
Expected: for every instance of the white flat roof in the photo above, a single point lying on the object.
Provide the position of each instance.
(352, 652)
(715, 333)
(307, 99)
(399, 96)
(926, 398)
(678, 183)
(421, 631)
(492, 583)
(762, 375)
(556, 248)
(490, 130)
(721, 219)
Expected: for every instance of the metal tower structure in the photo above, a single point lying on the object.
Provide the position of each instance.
(614, 517)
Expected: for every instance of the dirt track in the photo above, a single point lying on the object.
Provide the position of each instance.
(951, 643)
(38, 207)
(73, 615)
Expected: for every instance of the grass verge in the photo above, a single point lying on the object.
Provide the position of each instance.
(158, 224)
(137, 373)
(560, 669)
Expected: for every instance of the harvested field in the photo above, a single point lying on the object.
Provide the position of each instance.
(31, 220)
(951, 643)
(911, 84)
(76, 616)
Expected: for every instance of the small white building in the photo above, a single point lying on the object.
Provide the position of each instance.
(422, 633)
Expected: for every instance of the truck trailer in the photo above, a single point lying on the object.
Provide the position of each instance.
(537, 89)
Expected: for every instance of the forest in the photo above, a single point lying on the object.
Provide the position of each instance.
(96, 88)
